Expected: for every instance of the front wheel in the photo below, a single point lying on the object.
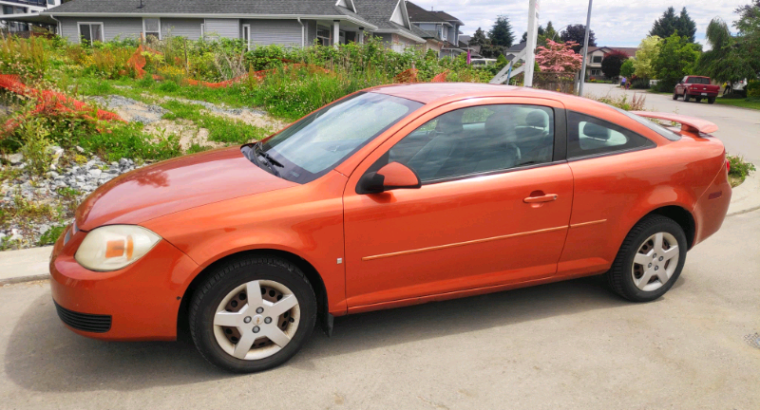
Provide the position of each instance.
(675, 96)
(650, 259)
(252, 314)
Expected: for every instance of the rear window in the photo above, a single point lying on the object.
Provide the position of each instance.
(652, 125)
(698, 80)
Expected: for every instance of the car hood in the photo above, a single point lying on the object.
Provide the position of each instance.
(175, 185)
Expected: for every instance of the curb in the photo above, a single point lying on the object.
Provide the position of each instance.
(746, 197)
(23, 279)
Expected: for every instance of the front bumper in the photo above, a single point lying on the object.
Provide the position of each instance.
(142, 300)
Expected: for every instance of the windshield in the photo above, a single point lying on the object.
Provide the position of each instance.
(316, 144)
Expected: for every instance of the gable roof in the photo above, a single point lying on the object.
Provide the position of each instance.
(205, 8)
(448, 17)
(629, 51)
(419, 15)
(380, 13)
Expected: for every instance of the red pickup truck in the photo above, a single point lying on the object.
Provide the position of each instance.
(697, 87)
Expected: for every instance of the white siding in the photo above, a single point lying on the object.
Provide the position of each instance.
(112, 27)
(189, 28)
(283, 32)
(223, 28)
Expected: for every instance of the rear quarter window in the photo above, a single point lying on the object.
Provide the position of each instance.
(590, 136)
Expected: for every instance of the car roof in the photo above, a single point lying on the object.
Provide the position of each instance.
(427, 93)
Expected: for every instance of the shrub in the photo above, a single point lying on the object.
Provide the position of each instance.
(753, 89)
(51, 235)
(627, 69)
(640, 83)
(740, 168)
(35, 149)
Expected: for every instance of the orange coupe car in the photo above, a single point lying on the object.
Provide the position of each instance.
(392, 196)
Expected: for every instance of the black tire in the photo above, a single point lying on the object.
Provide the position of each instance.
(620, 277)
(675, 96)
(223, 280)
(699, 99)
(686, 97)
(711, 100)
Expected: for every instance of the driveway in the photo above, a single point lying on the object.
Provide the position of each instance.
(739, 127)
(565, 345)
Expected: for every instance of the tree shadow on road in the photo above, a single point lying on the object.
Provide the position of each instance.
(42, 355)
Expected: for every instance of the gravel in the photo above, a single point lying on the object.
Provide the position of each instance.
(83, 178)
(132, 110)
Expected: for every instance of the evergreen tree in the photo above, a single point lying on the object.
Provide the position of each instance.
(666, 25)
(686, 26)
(478, 38)
(501, 34)
(550, 33)
(576, 33)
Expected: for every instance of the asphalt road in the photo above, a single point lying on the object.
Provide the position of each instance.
(739, 127)
(565, 345)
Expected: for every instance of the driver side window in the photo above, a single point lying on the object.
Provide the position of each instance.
(477, 140)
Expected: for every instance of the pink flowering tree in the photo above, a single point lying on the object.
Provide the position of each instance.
(559, 57)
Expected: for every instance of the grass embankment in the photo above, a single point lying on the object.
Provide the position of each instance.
(751, 103)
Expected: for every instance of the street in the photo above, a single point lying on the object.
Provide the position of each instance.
(739, 127)
(572, 344)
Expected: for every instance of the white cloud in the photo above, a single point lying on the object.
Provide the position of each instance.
(615, 23)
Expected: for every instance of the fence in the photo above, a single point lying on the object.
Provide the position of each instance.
(562, 82)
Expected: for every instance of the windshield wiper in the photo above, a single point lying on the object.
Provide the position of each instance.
(257, 146)
(256, 161)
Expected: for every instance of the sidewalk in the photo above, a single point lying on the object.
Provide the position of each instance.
(32, 264)
(24, 265)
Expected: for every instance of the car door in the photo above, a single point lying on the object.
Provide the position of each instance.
(493, 208)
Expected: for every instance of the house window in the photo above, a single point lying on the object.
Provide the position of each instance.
(323, 35)
(51, 2)
(342, 37)
(596, 72)
(90, 32)
(152, 27)
(247, 36)
(597, 59)
(7, 10)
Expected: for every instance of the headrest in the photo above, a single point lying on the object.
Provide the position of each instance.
(497, 124)
(537, 119)
(450, 123)
(596, 131)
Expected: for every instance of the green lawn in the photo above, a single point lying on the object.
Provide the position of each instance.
(753, 103)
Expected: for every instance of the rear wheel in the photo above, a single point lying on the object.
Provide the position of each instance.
(711, 100)
(252, 314)
(650, 259)
(699, 99)
(686, 97)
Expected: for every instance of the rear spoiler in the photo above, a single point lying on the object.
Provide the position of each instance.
(688, 124)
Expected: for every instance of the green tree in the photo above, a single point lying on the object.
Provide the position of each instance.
(671, 23)
(501, 33)
(612, 62)
(478, 38)
(627, 69)
(666, 25)
(726, 60)
(686, 26)
(676, 59)
(577, 32)
(748, 37)
(551, 34)
(649, 49)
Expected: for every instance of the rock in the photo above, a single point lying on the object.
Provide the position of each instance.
(15, 159)
(80, 178)
(79, 149)
(43, 228)
(81, 171)
(53, 175)
(15, 235)
(123, 162)
(95, 173)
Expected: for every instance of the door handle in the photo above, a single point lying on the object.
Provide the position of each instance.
(539, 199)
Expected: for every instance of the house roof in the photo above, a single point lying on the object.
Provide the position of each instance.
(424, 33)
(419, 15)
(380, 12)
(226, 8)
(629, 51)
(517, 48)
(448, 17)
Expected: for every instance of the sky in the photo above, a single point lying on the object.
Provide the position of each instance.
(614, 22)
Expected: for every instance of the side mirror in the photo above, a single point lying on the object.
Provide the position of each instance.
(392, 176)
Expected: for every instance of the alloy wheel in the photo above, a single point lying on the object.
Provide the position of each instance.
(256, 320)
(655, 262)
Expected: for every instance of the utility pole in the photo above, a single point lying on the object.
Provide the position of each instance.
(530, 46)
(585, 50)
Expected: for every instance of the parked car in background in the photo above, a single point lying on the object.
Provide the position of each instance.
(697, 87)
(480, 62)
(392, 196)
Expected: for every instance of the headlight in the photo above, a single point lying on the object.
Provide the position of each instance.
(114, 247)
